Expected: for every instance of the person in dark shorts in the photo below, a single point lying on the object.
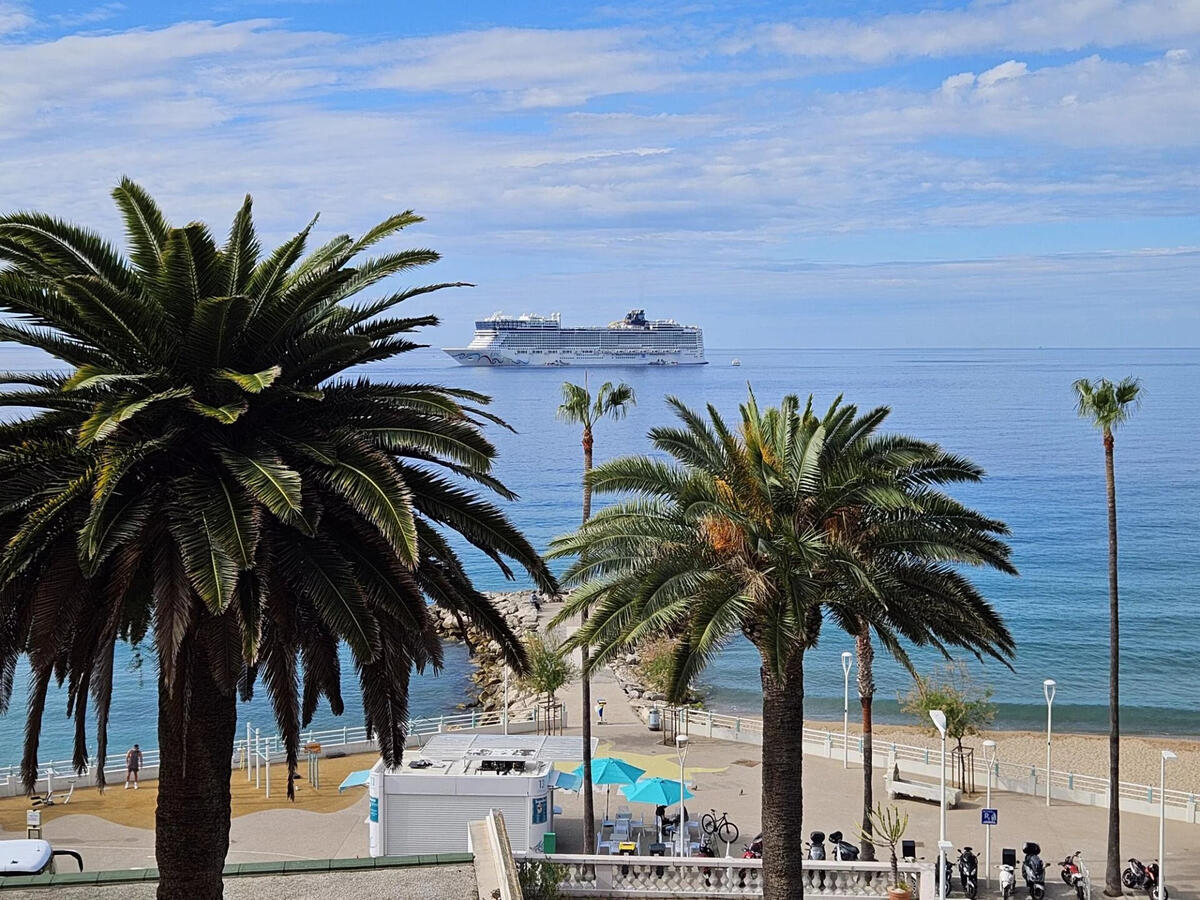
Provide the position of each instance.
(133, 762)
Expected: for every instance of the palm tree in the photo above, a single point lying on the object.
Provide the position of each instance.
(741, 532)
(1107, 405)
(204, 476)
(579, 407)
(909, 598)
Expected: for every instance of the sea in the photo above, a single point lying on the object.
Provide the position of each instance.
(1011, 411)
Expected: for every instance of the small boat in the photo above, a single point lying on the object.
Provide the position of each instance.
(736, 362)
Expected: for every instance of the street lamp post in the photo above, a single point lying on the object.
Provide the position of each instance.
(989, 757)
(1162, 822)
(1048, 687)
(681, 745)
(939, 720)
(847, 656)
(505, 715)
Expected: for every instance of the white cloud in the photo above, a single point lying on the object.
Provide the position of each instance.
(528, 67)
(1002, 72)
(1014, 26)
(13, 18)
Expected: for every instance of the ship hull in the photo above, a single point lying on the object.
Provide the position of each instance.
(501, 359)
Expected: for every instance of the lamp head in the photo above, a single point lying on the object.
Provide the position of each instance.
(939, 719)
(681, 740)
(1048, 687)
(847, 656)
(1169, 754)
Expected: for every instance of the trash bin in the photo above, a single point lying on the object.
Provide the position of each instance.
(658, 849)
(549, 842)
(626, 848)
(654, 719)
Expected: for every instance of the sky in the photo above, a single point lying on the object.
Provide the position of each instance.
(1002, 173)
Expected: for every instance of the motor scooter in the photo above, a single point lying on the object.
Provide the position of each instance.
(1140, 876)
(1075, 876)
(968, 872)
(1008, 872)
(1033, 870)
(816, 845)
(842, 850)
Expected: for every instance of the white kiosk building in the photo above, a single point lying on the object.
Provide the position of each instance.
(425, 805)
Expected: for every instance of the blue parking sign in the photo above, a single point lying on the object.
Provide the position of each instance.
(989, 816)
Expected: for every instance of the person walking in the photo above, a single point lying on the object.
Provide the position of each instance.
(133, 762)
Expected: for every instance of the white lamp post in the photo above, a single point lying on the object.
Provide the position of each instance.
(847, 656)
(939, 720)
(681, 745)
(1048, 687)
(505, 715)
(989, 758)
(1162, 821)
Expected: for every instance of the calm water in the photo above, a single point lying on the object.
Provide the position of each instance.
(1010, 410)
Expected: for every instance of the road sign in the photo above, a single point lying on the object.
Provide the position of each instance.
(989, 816)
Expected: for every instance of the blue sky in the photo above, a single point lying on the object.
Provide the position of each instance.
(1000, 173)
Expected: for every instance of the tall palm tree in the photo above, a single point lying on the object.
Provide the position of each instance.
(579, 407)
(742, 532)
(1107, 405)
(204, 476)
(906, 551)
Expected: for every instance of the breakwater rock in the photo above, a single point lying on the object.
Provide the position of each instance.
(520, 610)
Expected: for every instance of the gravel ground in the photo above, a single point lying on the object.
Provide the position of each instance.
(435, 883)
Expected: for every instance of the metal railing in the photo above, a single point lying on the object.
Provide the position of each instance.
(270, 748)
(1014, 773)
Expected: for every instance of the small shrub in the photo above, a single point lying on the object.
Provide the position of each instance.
(540, 879)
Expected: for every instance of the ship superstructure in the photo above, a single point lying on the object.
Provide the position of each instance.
(528, 340)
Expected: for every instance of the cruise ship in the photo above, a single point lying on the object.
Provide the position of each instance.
(502, 340)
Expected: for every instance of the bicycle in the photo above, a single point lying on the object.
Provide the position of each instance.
(722, 829)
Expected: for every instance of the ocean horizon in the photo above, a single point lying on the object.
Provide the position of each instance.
(1011, 411)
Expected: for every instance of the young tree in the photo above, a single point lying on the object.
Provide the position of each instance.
(579, 407)
(205, 469)
(740, 531)
(968, 707)
(1107, 405)
(549, 670)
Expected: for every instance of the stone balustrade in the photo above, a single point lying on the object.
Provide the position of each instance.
(655, 876)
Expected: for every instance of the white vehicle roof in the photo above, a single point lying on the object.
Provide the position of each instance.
(23, 857)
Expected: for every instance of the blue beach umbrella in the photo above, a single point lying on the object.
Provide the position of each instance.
(609, 770)
(659, 791)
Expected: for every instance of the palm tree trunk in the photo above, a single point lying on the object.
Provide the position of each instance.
(866, 696)
(585, 685)
(195, 737)
(1112, 874)
(782, 782)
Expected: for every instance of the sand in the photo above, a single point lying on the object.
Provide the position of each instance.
(136, 808)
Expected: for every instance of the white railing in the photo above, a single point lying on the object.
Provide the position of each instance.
(349, 739)
(657, 876)
(1029, 779)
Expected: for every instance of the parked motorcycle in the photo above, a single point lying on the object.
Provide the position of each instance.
(816, 846)
(1140, 876)
(842, 850)
(968, 872)
(1033, 870)
(1008, 872)
(753, 850)
(948, 875)
(1075, 876)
